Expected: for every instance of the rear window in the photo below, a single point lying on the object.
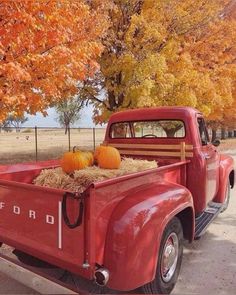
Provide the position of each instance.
(148, 129)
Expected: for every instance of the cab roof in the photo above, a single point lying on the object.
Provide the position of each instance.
(143, 114)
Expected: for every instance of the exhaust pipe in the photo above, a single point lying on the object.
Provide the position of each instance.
(101, 276)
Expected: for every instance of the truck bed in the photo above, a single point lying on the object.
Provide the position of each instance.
(32, 220)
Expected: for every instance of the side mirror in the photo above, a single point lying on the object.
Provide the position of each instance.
(216, 142)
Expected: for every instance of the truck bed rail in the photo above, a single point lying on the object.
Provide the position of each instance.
(181, 150)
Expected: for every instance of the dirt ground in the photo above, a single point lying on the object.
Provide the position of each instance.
(209, 264)
(227, 145)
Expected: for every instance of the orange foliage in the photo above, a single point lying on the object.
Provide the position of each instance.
(46, 48)
(213, 51)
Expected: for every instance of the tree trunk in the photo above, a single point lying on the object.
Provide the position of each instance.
(213, 135)
(223, 133)
(111, 100)
(230, 134)
(66, 128)
(170, 132)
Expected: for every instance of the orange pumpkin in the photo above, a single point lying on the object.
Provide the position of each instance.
(74, 160)
(97, 151)
(90, 157)
(108, 157)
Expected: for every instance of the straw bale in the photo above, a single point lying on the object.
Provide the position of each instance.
(81, 179)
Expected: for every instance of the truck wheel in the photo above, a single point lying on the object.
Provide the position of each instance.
(169, 260)
(227, 197)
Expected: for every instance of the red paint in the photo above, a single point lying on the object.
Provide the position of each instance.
(124, 217)
(226, 166)
(142, 218)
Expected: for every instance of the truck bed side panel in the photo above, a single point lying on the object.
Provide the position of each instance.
(108, 196)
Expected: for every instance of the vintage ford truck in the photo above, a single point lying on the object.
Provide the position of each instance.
(126, 232)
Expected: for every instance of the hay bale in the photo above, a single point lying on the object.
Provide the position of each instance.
(54, 178)
(81, 179)
(129, 165)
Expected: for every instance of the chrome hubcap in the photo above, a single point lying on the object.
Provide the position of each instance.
(169, 257)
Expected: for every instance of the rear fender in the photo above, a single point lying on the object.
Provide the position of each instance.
(135, 231)
(226, 174)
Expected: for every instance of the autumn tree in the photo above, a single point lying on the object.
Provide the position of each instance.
(151, 57)
(5, 126)
(213, 51)
(46, 47)
(68, 112)
(16, 122)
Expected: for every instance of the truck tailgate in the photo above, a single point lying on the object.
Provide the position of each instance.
(31, 221)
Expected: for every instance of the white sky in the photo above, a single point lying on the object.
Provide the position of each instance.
(50, 121)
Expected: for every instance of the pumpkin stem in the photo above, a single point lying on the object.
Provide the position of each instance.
(74, 148)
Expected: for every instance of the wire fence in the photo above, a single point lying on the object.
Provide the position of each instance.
(42, 143)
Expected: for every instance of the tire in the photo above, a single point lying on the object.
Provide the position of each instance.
(227, 198)
(165, 279)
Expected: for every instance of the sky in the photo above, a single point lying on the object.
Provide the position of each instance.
(50, 121)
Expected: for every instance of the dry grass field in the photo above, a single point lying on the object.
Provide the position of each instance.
(21, 147)
(52, 143)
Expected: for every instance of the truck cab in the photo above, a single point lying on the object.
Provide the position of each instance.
(208, 172)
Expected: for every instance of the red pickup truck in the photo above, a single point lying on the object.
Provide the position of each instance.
(126, 232)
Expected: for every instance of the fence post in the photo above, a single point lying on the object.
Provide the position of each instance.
(36, 142)
(69, 137)
(94, 139)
